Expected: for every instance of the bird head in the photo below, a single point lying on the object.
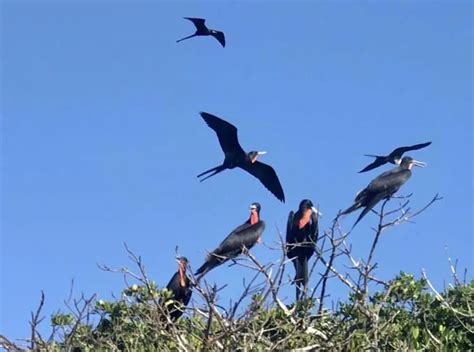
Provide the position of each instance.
(182, 262)
(255, 207)
(306, 204)
(408, 162)
(253, 155)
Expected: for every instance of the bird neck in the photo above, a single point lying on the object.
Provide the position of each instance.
(304, 218)
(254, 217)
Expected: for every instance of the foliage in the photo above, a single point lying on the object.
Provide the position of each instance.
(402, 314)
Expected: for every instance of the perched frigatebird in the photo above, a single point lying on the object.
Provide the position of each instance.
(180, 285)
(383, 187)
(394, 157)
(301, 237)
(244, 237)
(202, 30)
(235, 156)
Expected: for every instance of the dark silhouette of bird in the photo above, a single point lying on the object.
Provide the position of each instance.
(301, 237)
(243, 238)
(394, 157)
(383, 187)
(235, 156)
(180, 286)
(202, 30)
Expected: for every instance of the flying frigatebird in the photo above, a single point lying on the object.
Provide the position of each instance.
(383, 187)
(202, 30)
(301, 237)
(235, 156)
(180, 286)
(394, 157)
(244, 237)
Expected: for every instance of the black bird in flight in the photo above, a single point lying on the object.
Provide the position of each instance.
(394, 157)
(235, 156)
(301, 237)
(202, 30)
(383, 187)
(244, 237)
(180, 286)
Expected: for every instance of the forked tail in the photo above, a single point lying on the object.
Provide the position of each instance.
(189, 36)
(214, 170)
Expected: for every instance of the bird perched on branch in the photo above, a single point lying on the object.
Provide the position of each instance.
(202, 30)
(301, 237)
(180, 286)
(235, 156)
(394, 157)
(244, 237)
(383, 187)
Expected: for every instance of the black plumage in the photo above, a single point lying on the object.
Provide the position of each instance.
(382, 187)
(235, 156)
(244, 237)
(180, 286)
(394, 157)
(301, 236)
(202, 30)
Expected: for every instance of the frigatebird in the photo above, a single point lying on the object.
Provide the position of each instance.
(202, 30)
(235, 156)
(180, 286)
(301, 237)
(394, 157)
(242, 238)
(383, 187)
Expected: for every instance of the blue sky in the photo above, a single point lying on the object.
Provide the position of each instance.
(102, 140)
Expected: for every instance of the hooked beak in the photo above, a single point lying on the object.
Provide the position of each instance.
(261, 153)
(419, 163)
(317, 211)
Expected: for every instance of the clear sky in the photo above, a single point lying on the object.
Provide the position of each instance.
(102, 138)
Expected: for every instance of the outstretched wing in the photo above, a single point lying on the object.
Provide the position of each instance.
(399, 151)
(379, 161)
(219, 36)
(198, 22)
(226, 133)
(267, 177)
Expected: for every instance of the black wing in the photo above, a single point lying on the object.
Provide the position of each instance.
(399, 151)
(219, 36)
(388, 180)
(314, 234)
(247, 236)
(267, 176)
(289, 228)
(226, 133)
(173, 285)
(199, 23)
(379, 161)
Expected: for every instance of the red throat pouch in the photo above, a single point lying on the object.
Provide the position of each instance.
(304, 219)
(181, 277)
(253, 217)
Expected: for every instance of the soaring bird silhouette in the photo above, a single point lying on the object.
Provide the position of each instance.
(383, 187)
(180, 285)
(301, 237)
(202, 30)
(235, 156)
(243, 237)
(394, 157)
